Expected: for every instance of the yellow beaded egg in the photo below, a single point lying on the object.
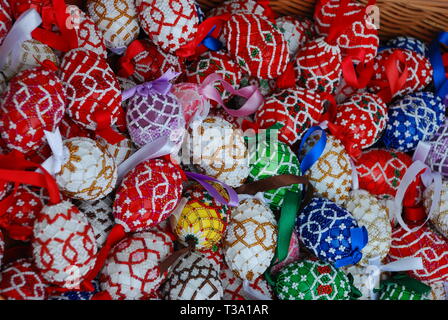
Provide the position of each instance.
(440, 215)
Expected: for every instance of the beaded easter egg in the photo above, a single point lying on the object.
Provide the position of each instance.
(202, 219)
(331, 233)
(394, 290)
(312, 280)
(380, 172)
(20, 6)
(331, 174)
(30, 55)
(64, 247)
(408, 43)
(437, 158)
(239, 6)
(234, 288)
(33, 102)
(170, 24)
(119, 151)
(91, 87)
(419, 72)
(193, 277)
(361, 280)
(296, 109)
(440, 217)
(100, 216)
(117, 20)
(362, 34)
(2, 247)
(365, 116)
(89, 36)
(5, 19)
(144, 61)
(438, 291)
(131, 271)
(293, 254)
(263, 50)
(89, 172)
(20, 280)
(158, 180)
(220, 151)
(195, 106)
(294, 33)
(250, 240)
(415, 117)
(318, 65)
(368, 212)
(267, 160)
(425, 243)
(154, 115)
(70, 129)
(215, 62)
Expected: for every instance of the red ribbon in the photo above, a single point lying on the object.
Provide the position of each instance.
(67, 39)
(103, 295)
(360, 76)
(127, 66)
(345, 135)
(288, 78)
(103, 121)
(270, 14)
(193, 48)
(330, 113)
(414, 214)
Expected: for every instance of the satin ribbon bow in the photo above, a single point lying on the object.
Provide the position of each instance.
(161, 85)
(60, 153)
(359, 239)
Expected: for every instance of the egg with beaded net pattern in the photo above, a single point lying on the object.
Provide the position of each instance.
(89, 173)
(391, 290)
(362, 34)
(202, 219)
(419, 72)
(415, 117)
(193, 277)
(2, 247)
(5, 19)
(312, 280)
(365, 117)
(440, 217)
(361, 279)
(239, 6)
(148, 194)
(251, 239)
(131, 271)
(30, 55)
(91, 87)
(21, 281)
(256, 45)
(64, 247)
(89, 36)
(234, 289)
(100, 215)
(437, 158)
(331, 174)
(119, 151)
(170, 24)
(408, 43)
(220, 151)
(296, 109)
(272, 158)
(33, 102)
(368, 212)
(117, 20)
(438, 291)
(425, 243)
(294, 32)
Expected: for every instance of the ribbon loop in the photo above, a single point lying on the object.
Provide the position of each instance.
(359, 239)
(439, 74)
(60, 154)
(316, 151)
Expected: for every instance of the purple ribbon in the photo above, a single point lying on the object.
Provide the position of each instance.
(161, 85)
(233, 196)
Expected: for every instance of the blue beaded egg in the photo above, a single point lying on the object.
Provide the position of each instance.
(409, 43)
(331, 232)
(415, 117)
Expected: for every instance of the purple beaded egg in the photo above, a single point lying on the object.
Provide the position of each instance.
(437, 158)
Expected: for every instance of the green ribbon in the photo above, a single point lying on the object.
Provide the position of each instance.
(286, 224)
(355, 293)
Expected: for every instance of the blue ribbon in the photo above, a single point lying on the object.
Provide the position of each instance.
(435, 56)
(316, 151)
(359, 239)
(211, 43)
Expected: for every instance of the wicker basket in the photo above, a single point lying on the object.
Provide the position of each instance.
(422, 19)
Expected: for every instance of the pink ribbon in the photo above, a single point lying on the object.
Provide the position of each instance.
(251, 93)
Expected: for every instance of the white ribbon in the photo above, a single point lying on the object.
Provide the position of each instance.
(422, 151)
(375, 268)
(158, 148)
(20, 32)
(355, 180)
(60, 153)
(253, 294)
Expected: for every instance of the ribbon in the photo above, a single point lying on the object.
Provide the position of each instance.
(19, 33)
(67, 39)
(103, 120)
(286, 224)
(60, 153)
(360, 76)
(211, 43)
(202, 179)
(259, 196)
(316, 151)
(435, 56)
(127, 67)
(359, 239)
(288, 78)
(346, 136)
(270, 183)
(355, 179)
(375, 268)
(251, 93)
(161, 85)
(253, 294)
(210, 28)
(422, 151)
